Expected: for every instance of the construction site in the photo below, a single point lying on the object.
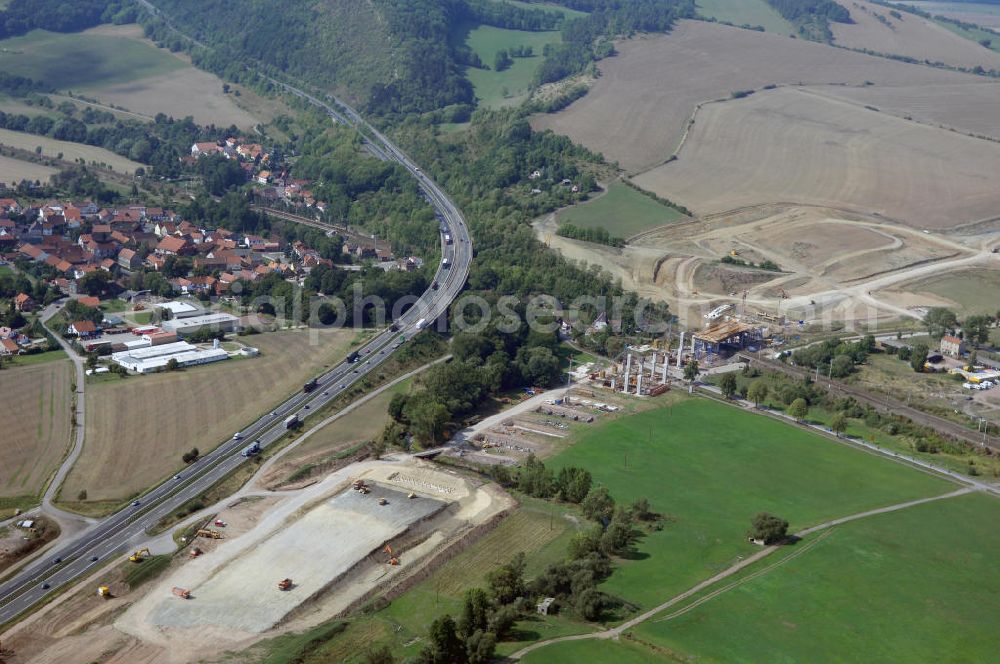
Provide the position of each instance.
(270, 563)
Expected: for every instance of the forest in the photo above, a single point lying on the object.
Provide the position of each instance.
(812, 17)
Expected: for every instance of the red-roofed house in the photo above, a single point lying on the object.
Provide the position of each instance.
(200, 149)
(84, 329)
(129, 259)
(89, 301)
(174, 246)
(23, 302)
(9, 347)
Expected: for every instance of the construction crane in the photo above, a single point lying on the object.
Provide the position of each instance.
(782, 295)
(140, 555)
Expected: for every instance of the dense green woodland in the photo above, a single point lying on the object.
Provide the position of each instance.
(812, 17)
(22, 16)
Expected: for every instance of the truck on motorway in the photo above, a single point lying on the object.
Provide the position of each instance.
(353, 357)
(447, 238)
(253, 450)
(291, 421)
(310, 386)
(446, 263)
(421, 323)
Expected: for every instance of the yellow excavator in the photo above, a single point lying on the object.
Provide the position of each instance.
(139, 555)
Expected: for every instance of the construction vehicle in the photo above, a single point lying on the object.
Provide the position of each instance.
(139, 555)
(285, 584)
(195, 552)
(183, 593)
(383, 501)
(104, 591)
(393, 560)
(209, 533)
(359, 485)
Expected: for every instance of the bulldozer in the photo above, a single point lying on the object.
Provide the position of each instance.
(140, 555)
(104, 591)
(209, 533)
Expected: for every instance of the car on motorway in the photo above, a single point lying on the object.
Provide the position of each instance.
(57, 561)
(343, 386)
(93, 559)
(136, 503)
(46, 585)
(237, 435)
(177, 477)
(326, 394)
(306, 406)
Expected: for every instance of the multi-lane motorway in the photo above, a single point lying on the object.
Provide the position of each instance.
(114, 535)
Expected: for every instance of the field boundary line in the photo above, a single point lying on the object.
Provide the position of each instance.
(764, 570)
(616, 632)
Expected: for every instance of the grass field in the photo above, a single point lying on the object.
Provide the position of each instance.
(78, 61)
(36, 425)
(594, 650)
(510, 86)
(70, 151)
(14, 170)
(976, 34)
(117, 65)
(970, 291)
(709, 468)
(137, 428)
(745, 12)
(622, 211)
(913, 585)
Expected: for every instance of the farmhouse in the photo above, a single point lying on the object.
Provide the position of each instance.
(155, 358)
(9, 347)
(952, 346)
(84, 329)
(221, 322)
(23, 302)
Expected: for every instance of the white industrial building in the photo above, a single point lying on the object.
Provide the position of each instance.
(155, 358)
(216, 321)
(180, 309)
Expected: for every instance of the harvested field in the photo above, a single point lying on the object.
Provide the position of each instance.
(70, 151)
(932, 104)
(980, 13)
(137, 428)
(36, 424)
(911, 36)
(14, 170)
(638, 109)
(789, 145)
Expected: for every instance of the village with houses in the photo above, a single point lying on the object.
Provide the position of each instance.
(135, 259)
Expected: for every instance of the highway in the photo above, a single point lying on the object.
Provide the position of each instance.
(114, 535)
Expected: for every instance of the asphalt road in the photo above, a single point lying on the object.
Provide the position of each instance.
(112, 536)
